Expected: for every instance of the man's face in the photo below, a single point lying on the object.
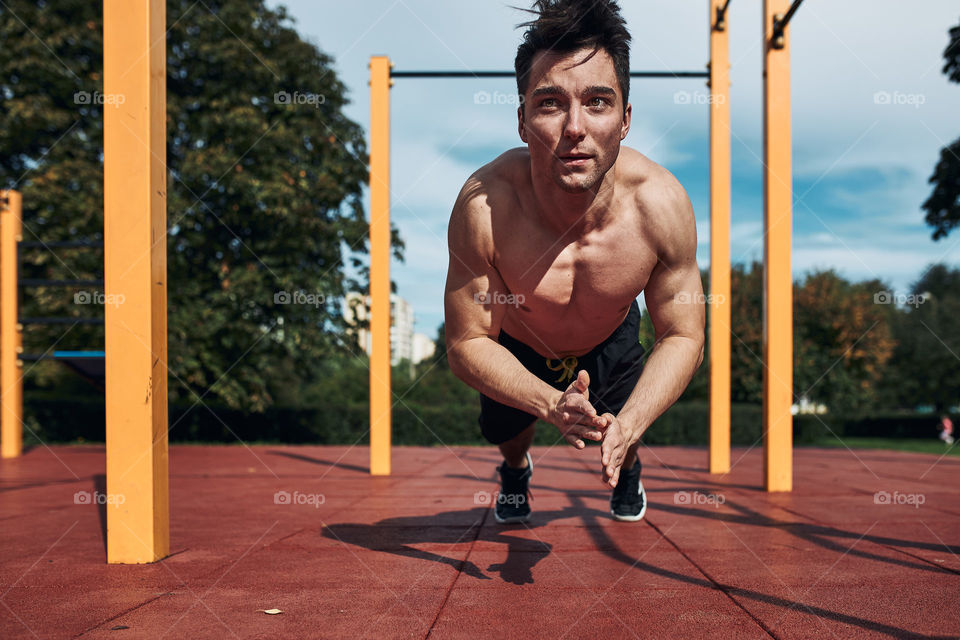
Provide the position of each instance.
(572, 118)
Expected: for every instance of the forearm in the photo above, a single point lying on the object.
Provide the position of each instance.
(491, 369)
(666, 373)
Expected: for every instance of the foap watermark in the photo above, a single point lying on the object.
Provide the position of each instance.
(899, 98)
(685, 297)
(695, 497)
(299, 98)
(98, 297)
(496, 297)
(913, 499)
(497, 97)
(97, 98)
(698, 97)
(285, 497)
(95, 497)
(892, 297)
(485, 497)
(299, 297)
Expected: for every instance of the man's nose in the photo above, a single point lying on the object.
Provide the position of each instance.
(573, 127)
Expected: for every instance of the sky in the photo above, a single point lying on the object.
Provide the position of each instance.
(870, 113)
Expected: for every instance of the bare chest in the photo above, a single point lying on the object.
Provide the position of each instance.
(570, 296)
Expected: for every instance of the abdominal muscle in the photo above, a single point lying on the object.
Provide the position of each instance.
(562, 335)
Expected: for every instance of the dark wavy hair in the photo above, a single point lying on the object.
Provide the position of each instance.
(563, 26)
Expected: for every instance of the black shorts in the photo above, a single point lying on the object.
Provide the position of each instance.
(614, 367)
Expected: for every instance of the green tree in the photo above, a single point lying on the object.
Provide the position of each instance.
(842, 340)
(265, 183)
(943, 205)
(926, 363)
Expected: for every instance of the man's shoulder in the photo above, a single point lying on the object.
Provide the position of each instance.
(649, 180)
(496, 183)
(661, 201)
(503, 175)
(492, 188)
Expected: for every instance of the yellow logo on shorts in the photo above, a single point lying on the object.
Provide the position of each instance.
(569, 366)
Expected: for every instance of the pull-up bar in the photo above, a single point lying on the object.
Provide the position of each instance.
(511, 74)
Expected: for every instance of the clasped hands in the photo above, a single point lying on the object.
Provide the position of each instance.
(578, 420)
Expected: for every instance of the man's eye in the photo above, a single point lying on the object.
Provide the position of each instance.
(549, 102)
(598, 102)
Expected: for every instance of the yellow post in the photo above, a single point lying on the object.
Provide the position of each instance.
(135, 270)
(11, 376)
(380, 405)
(719, 456)
(778, 281)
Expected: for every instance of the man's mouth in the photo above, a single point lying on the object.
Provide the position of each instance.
(574, 159)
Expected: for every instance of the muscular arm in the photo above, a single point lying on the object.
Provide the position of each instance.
(675, 302)
(474, 310)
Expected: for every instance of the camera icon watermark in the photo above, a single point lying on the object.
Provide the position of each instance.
(695, 497)
(899, 98)
(286, 498)
(887, 498)
(890, 297)
(482, 498)
(99, 298)
(299, 98)
(97, 98)
(315, 299)
(496, 297)
(95, 497)
(497, 97)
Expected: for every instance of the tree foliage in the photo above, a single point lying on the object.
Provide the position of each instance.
(265, 180)
(943, 205)
(842, 340)
(926, 364)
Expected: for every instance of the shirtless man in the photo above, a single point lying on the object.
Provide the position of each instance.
(550, 245)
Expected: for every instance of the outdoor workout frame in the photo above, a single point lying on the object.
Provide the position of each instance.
(778, 344)
(135, 178)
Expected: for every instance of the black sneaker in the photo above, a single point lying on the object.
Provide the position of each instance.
(629, 501)
(512, 504)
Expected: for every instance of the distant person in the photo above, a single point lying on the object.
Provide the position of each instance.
(946, 429)
(550, 245)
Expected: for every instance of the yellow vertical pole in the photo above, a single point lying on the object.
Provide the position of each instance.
(380, 405)
(11, 376)
(778, 281)
(719, 455)
(135, 270)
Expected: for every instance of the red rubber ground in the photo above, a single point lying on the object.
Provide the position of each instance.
(418, 554)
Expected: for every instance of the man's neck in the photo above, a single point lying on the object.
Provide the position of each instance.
(574, 214)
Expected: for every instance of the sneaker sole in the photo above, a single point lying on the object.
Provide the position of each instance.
(515, 519)
(639, 516)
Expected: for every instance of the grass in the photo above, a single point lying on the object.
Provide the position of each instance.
(893, 444)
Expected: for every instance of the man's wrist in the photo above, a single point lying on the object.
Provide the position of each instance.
(548, 404)
(632, 425)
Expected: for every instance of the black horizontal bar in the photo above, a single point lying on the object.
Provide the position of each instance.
(34, 357)
(511, 74)
(59, 245)
(55, 320)
(35, 282)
